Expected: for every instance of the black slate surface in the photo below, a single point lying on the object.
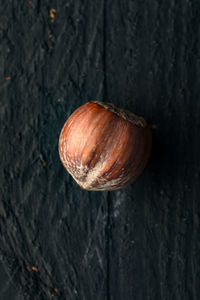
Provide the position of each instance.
(56, 240)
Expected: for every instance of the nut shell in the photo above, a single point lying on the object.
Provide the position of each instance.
(104, 147)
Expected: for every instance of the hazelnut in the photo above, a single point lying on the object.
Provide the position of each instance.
(104, 147)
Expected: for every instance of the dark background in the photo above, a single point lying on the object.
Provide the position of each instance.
(56, 240)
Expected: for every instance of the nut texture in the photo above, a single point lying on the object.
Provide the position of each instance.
(104, 147)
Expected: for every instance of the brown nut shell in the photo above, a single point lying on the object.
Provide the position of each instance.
(104, 147)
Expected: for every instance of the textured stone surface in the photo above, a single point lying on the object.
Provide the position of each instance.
(56, 240)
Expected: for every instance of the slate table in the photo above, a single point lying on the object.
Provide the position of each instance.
(58, 241)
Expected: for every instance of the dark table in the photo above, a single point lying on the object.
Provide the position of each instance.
(58, 241)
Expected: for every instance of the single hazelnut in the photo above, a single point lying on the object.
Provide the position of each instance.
(104, 147)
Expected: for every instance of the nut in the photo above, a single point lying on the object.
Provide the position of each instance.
(104, 147)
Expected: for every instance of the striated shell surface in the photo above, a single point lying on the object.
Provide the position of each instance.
(104, 147)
